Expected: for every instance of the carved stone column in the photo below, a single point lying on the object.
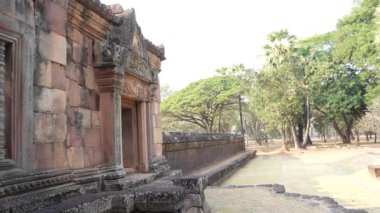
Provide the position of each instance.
(109, 80)
(143, 137)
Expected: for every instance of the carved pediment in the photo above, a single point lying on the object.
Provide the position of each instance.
(126, 47)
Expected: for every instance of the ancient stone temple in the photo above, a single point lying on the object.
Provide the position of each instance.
(79, 110)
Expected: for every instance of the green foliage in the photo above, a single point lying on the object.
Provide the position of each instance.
(200, 102)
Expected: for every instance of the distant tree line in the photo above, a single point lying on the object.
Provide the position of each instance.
(325, 81)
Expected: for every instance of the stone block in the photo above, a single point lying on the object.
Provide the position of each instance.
(74, 137)
(81, 78)
(55, 17)
(88, 156)
(43, 75)
(75, 35)
(192, 185)
(60, 128)
(59, 156)
(53, 47)
(74, 94)
(92, 137)
(99, 157)
(44, 156)
(59, 101)
(75, 157)
(43, 128)
(89, 99)
(72, 71)
(58, 77)
(77, 54)
(88, 51)
(95, 120)
(89, 78)
(86, 117)
(43, 101)
(156, 106)
(157, 134)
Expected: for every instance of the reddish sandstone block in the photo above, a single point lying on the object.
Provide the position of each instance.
(43, 75)
(75, 35)
(75, 137)
(73, 93)
(72, 71)
(43, 101)
(88, 157)
(92, 137)
(157, 121)
(58, 77)
(89, 50)
(60, 128)
(99, 157)
(75, 157)
(95, 120)
(59, 101)
(77, 50)
(44, 156)
(86, 117)
(59, 156)
(89, 78)
(53, 47)
(55, 17)
(43, 128)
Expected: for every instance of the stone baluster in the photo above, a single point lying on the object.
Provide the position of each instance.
(2, 98)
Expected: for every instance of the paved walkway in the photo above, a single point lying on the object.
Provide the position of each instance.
(340, 173)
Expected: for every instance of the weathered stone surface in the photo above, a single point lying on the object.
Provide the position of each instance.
(77, 52)
(43, 101)
(72, 71)
(92, 137)
(89, 78)
(59, 101)
(74, 95)
(86, 117)
(59, 155)
(43, 75)
(88, 156)
(56, 17)
(75, 35)
(59, 128)
(44, 158)
(192, 185)
(278, 188)
(95, 121)
(43, 128)
(74, 137)
(53, 47)
(58, 77)
(75, 157)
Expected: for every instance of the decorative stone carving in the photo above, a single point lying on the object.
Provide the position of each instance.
(152, 91)
(135, 88)
(2, 101)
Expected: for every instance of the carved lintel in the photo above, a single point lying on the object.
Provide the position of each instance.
(135, 88)
(109, 78)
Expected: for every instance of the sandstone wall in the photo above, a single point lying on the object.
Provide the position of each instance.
(190, 152)
(67, 131)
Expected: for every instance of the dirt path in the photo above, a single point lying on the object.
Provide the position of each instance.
(340, 173)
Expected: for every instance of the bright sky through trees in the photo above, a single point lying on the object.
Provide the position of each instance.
(201, 36)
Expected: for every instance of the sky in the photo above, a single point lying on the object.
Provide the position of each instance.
(202, 35)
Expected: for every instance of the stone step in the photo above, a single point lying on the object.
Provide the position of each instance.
(130, 181)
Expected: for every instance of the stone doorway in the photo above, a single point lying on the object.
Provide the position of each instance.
(129, 137)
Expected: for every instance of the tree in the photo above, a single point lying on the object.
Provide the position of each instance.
(343, 68)
(201, 102)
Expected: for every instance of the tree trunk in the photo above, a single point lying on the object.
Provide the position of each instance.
(241, 117)
(283, 135)
(344, 136)
(294, 134)
(357, 137)
(366, 136)
(306, 137)
(300, 129)
(375, 140)
(257, 133)
(220, 122)
(324, 137)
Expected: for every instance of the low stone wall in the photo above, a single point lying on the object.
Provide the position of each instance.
(190, 152)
